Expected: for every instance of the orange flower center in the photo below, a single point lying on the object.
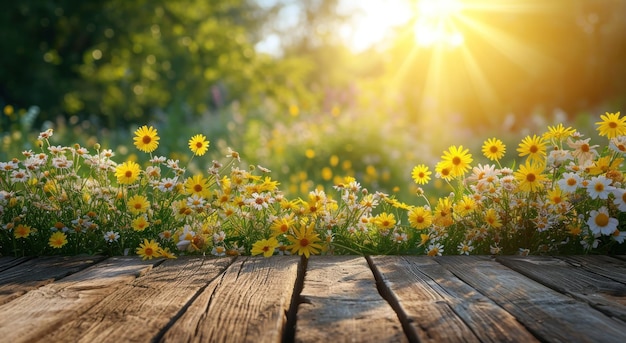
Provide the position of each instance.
(197, 188)
(148, 251)
(584, 148)
(533, 149)
(612, 125)
(493, 149)
(128, 173)
(266, 248)
(456, 161)
(602, 220)
(198, 145)
(531, 177)
(571, 182)
(304, 242)
(599, 187)
(146, 139)
(137, 206)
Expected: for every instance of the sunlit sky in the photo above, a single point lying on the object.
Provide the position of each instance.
(465, 40)
(372, 21)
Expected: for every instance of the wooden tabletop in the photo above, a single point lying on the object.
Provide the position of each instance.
(322, 299)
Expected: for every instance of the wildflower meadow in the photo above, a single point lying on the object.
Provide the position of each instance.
(562, 194)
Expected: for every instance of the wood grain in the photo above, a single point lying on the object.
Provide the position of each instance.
(33, 273)
(604, 294)
(7, 262)
(340, 303)
(39, 312)
(246, 303)
(440, 307)
(607, 266)
(548, 314)
(146, 306)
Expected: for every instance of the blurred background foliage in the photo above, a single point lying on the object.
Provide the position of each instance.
(279, 81)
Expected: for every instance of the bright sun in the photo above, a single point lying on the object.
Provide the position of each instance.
(375, 20)
(434, 23)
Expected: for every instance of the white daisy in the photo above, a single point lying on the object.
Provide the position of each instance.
(601, 223)
(167, 184)
(569, 182)
(61, 162)
(619, 236)
(620, 198)
(599, 187)
(618, 144)
(111, 236)
(218, 250)
(19, 175)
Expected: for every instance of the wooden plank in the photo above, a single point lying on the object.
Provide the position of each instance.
(141, 310)
(439, 307)
(7, 262)
(604, 294)
(36, 272)
(340, 303)
(42, 310)
(548, 314)
(607, 266)
(247, 303)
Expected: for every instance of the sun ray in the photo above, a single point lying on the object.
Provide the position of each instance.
(511, 47)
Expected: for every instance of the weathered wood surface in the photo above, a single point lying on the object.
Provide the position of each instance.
(325, 298)
(340, 299)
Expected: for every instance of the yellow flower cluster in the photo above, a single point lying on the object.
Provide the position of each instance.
(564, 195)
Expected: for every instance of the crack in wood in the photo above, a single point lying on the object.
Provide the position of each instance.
(289, 330)
(159, 336)
(386, 294)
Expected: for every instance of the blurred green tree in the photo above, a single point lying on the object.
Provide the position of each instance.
(124, 61)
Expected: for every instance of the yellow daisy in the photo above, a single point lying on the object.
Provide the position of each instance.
(442, 170)
(197, 185)
(22, 231)
(457, 159)
(534, 147)
(611, 125)
(492, 219)
(558, 132)
(421, 174)
(199, 145)
(443, 213)
(304, 241)
(465, 206)
(420, 218)
(146, 139)
(127, 172)
(57, 240)
(140, 223)
(493, 149)
(556, 196)
(281, 225)
(385, 221)
(138, 204)
(265, 247)
(530, 177)
(148, 249)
